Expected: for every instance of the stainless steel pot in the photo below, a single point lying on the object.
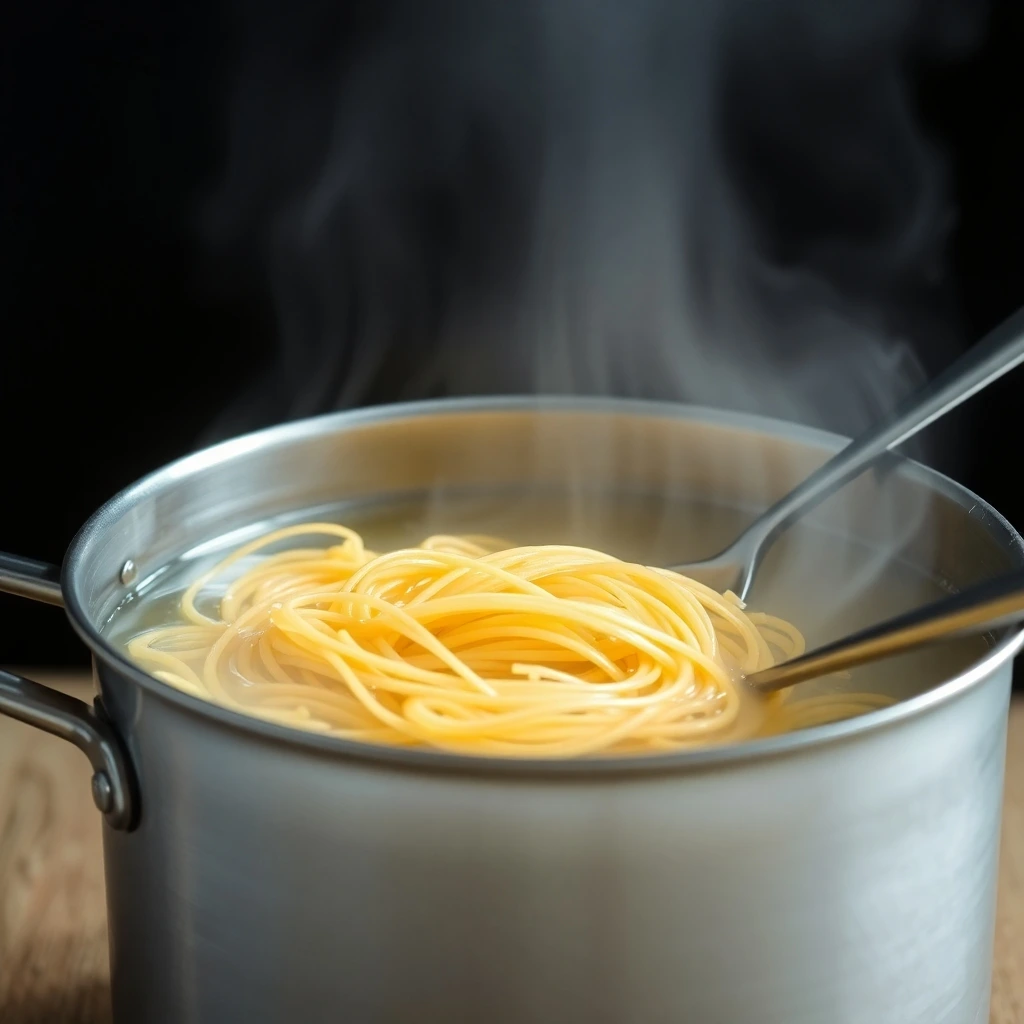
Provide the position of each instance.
(255, 874)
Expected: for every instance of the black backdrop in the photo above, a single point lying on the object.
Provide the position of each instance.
(110, 133)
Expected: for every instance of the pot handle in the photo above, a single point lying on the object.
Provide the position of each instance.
(23, 577)
(73, 720)
(113, 790)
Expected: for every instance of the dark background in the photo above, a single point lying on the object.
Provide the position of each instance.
(115, 354)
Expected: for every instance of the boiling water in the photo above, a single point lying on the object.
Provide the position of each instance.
(649, 530)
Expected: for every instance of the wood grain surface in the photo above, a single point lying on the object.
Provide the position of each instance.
(53, 934)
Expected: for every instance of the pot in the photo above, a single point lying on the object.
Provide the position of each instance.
(845, 873)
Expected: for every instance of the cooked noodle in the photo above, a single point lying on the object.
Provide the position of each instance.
(467, 644)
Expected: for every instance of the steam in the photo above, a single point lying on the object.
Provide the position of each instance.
(726, 203)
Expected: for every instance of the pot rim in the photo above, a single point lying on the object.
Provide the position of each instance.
(472, 764)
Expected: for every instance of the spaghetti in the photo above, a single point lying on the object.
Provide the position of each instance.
(470, 645)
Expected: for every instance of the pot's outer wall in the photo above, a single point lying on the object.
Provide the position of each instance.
(852, 883)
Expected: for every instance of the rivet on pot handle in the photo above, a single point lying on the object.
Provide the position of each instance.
(67, 717)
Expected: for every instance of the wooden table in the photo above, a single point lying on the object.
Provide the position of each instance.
(53, 933)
